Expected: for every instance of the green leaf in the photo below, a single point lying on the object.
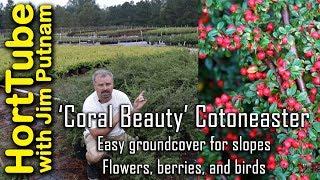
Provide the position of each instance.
(302, 97)
(273, 108)
(303, 10)
(220, 25)
(208, 63)
(290, 40)
(309, 85)
(291, 91)
(209, 3)
(316, 126)
(250, 94)
(282, 30)
(265, 41)
(281, 137)
(270, 74)
(230, 31)
(294, 158)
(312, 135)
(279, 174)
(317, 44)
(212, 34)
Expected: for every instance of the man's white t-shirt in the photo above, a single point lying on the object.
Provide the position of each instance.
(92, 105)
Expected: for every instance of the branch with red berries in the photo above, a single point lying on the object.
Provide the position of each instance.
(278, 55)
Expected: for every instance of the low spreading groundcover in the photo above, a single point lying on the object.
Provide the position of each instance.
(168, 80)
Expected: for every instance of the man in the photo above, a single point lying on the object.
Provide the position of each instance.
(99, 101)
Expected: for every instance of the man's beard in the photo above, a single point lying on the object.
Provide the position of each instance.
(106, 95)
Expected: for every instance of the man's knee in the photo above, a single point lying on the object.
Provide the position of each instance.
(94, 158)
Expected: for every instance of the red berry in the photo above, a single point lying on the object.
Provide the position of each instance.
(315, 35)
(284, 164)
(293, 177)
(229, 105)
(308, 54)
(279, 149)
(251, 77)
(200, 160)
(261, 55)
(202, 56)
(270, 27)
(208, 28)
(267, 92)
(209, 108)
(237, 39)
(225, 98)
(301, 134)
(286, 75)
(270, 53)
(271, 166)
(295, 144)
(271, 99)
(285, 85)
(317, 65)
(287, 144)
(218, 102)
(205, 130)
(220, 83)
(201, 27)
(251, 4)
(316, 80)
(313, 91)
(291, 101)
(284, 40)
(304, 177)
(233, 8)
(308, 157)
(297, 107)
(243, 71)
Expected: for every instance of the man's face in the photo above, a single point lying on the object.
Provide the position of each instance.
(103, 86)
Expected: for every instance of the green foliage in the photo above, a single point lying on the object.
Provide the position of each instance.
(171, 30)
(168, 80)
(180, 39)
(70, 59)
(152, 13)
(270, 37)
(111, 32)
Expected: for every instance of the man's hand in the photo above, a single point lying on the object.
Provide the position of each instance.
(139, 102)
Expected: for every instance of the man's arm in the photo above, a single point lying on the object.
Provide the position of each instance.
(139, 102)
(105, 131)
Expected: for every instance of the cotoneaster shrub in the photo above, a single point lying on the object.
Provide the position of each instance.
(263, 56)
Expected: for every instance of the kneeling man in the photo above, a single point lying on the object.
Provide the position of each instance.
(99, 101)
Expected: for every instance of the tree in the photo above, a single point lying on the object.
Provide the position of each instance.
(1, 16)
(7, 17)
(89, 14)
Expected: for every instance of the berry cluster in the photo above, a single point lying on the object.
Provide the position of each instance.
(284, 74)
(313, 94)
(293, 104)
(265, 44)
(231, 42)
(225, 102)
(316, 68)
(252, 73)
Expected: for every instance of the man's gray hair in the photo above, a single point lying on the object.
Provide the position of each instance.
(102, 73)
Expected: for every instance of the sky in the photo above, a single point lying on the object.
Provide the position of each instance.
(101, 3)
